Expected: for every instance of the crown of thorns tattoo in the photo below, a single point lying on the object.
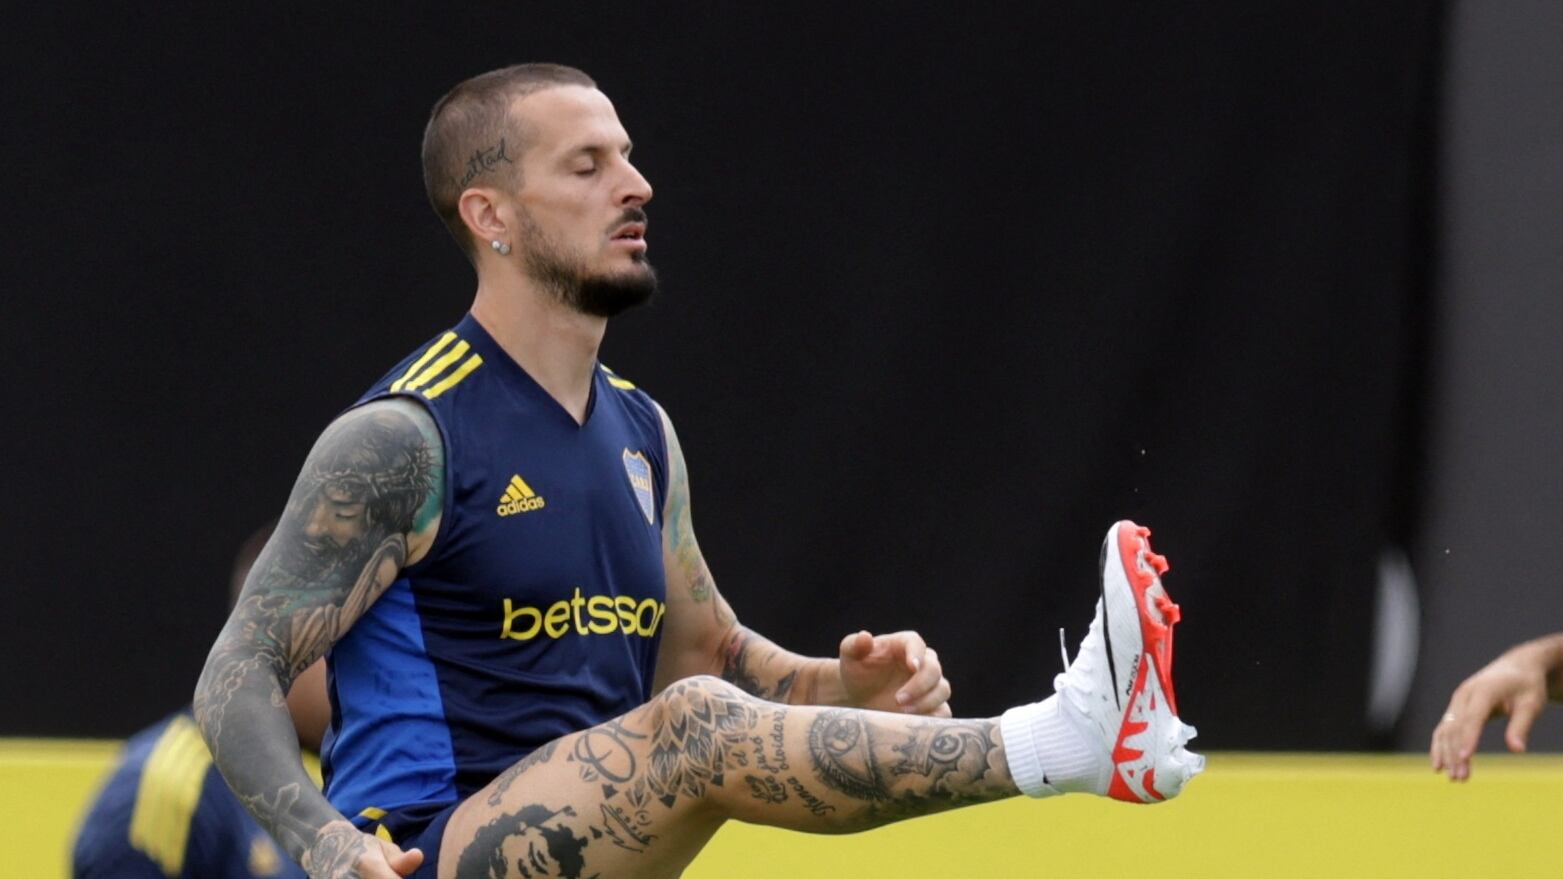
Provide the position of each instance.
(395, 471)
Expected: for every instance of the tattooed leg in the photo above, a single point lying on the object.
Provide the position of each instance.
(641, 794)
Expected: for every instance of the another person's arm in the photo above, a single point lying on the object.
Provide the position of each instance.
(895, 672)
(366, 504)
(1517, 684)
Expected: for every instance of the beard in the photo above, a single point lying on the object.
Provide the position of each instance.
(565, 274)
(611, 295)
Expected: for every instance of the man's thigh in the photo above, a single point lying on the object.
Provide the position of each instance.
(578, 806)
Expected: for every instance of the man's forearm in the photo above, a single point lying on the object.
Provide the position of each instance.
(759, 667)
(240, 708)
(1546, 653)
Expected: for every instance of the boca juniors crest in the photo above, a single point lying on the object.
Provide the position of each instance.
(638, 469)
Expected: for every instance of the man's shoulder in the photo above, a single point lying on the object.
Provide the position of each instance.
(643, 410)
(627, 390)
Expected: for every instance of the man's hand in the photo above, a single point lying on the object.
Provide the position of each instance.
(895, 672)
(1515, 684)
(342, 851)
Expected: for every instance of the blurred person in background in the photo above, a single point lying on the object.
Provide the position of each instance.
(166, 813)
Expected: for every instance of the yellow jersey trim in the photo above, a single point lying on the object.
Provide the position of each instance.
(613, 379)
(455, 378)
(375, 813)
(422, 361)
(438, 366)
(170, 789)
(433, 363)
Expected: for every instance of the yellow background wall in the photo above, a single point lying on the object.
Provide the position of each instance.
(1248, 816)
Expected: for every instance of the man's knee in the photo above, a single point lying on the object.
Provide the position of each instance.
(706, 701)
(700, 690)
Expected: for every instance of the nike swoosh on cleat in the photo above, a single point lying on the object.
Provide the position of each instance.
(1107, 629)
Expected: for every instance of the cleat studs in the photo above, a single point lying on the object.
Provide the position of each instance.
(1159, 562)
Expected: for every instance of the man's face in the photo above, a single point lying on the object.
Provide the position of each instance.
(340, 515)
(579, 211)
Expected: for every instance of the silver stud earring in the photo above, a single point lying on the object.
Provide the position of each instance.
(500, 246)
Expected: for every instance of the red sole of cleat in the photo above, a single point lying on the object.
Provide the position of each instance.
(1157, 612)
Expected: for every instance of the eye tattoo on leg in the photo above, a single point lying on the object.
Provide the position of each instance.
(902, 771)
(841, 745)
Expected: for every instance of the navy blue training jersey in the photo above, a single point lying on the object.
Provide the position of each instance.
(537, 611)
(165, 813)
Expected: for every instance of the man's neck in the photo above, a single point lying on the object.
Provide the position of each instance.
(555, 344)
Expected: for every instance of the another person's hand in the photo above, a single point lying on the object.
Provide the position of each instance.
(343, 850)
(896, 672)
(1515, 684)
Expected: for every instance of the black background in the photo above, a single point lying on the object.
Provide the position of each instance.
(945, 294)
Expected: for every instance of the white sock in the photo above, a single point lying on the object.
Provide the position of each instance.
(1047, 754)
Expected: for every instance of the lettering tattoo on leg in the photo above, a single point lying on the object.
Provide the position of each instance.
(816, 806)
(779, 739)
(773, 760)
(766, 789)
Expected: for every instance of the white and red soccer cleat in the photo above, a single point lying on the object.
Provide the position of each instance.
(1112, 726)
(1133, 624)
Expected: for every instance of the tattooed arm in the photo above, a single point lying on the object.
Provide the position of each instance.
(896, 672)
(366, 504)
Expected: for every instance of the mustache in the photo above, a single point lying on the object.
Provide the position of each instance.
(630, 215)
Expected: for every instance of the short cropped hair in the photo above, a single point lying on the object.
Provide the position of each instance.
(471, 133)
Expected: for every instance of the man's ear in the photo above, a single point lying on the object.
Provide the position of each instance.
(480, 211)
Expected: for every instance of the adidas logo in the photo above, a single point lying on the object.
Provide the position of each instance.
(519, 498)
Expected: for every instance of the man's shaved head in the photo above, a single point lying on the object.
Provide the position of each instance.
(472, 137)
